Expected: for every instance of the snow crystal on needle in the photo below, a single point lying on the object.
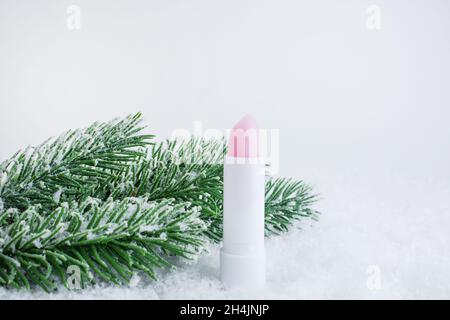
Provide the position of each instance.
(3, 179)
(111, 228)
(57, 195)
(148, 228)
(163, 236)
(37, 243)
(183, 226)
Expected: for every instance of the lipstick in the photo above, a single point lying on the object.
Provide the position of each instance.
(242, 256)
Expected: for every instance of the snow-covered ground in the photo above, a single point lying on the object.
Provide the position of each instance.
(386, 236)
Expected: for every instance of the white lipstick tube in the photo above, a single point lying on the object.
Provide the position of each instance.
(242, 257)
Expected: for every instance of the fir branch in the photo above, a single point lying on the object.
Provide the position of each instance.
(107, 240)
(286, 201)
(186, 170)
(111, 227)
(71, 166)
(192, 170)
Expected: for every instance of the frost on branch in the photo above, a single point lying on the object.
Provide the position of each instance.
(110, 239)
(78, 162)
(103, 200)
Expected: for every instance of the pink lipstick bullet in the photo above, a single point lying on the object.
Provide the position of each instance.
(242, 257)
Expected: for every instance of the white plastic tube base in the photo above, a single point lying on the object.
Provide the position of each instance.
(243, 271)
(242, 257)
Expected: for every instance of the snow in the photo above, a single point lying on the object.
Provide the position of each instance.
(3, 179)
(163, 236)
(57, 195)
(380, 236)
(148, 228)
(37, 243)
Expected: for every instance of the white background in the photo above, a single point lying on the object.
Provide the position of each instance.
(363, 115)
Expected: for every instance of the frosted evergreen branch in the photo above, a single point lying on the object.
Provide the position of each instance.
(108, 240)
(130, 207)
(286, 201)
(73, 165)
(192, 170)
(188, 170)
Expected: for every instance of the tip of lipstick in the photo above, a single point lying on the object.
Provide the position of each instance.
(243, 141)
(246, 123)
